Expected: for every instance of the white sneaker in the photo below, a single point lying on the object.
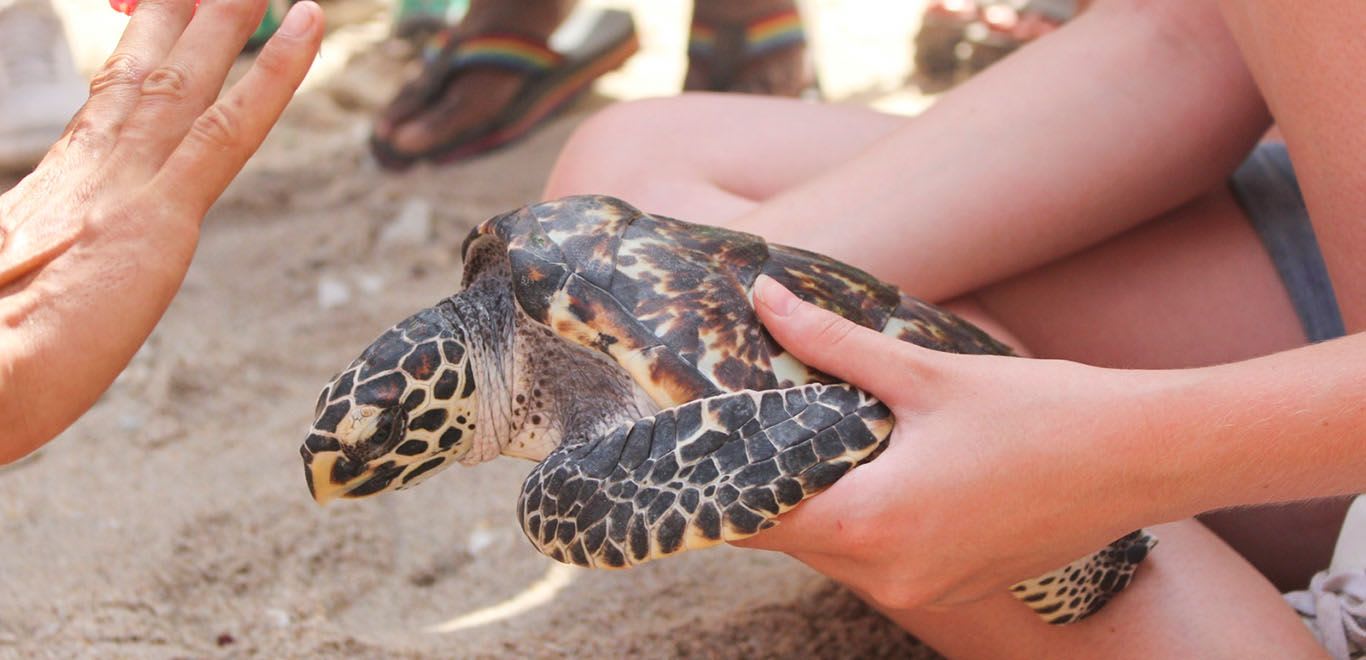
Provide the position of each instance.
(39, 87)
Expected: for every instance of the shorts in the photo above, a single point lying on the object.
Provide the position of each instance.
(1266, 189)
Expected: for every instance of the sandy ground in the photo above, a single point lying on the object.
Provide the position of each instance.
(173, 521)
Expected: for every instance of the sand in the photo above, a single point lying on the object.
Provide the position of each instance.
(173, 521)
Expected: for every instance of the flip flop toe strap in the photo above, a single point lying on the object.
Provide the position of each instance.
(506, 51)
(763, 35)
(513, 52)
(773, 33)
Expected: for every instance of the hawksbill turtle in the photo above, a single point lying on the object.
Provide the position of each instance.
(620, 351)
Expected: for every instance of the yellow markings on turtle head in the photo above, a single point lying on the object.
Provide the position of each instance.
(358, 425)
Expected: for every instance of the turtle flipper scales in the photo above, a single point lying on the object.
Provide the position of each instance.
(1082, 587)
(712, 470)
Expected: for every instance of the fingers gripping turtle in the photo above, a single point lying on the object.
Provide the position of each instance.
(713, 470)
(622, 353)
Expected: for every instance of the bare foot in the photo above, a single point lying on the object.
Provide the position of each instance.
(429, 111)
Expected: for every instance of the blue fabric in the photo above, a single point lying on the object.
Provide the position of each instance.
(1266, 188)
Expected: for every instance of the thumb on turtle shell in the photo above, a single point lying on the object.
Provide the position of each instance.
(827, 341)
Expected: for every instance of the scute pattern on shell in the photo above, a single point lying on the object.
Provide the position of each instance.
(598, 271)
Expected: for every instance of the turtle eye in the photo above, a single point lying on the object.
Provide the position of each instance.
(388, 431)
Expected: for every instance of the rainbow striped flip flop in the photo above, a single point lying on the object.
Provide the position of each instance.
(722, 52)
(554, 79)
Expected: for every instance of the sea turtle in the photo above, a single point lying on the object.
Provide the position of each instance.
(621, 352)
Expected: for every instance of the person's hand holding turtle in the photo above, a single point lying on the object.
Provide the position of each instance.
(927, 522)
(1000, 467)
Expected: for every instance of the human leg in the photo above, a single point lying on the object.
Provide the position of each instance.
(1194, 597)
(1192, 288)
(706, 166)
(942, 177)
(710, 157)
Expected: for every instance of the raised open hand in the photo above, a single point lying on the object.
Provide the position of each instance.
(95, 242)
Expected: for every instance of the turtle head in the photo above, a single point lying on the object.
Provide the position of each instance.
(402, 411)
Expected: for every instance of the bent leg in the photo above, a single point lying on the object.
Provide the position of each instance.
(1193, 598)
(1192, 288)
(710, 157)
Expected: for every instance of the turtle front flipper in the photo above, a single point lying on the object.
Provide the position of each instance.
(712, 470)
(722, 468)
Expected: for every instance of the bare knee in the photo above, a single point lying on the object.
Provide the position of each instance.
(619, 149)
(658, 154)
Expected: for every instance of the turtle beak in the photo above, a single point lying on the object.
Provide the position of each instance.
(357, 479)
(318, 472)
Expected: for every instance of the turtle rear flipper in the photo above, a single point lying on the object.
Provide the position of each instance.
(712, 470)
(1082, 587)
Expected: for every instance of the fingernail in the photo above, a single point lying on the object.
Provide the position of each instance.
(774, 296)
(297, 21)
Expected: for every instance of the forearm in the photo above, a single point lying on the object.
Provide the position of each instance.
(1116, 118)
(71, 324)
(1278, 428)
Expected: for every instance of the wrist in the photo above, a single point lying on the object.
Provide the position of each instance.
(1247, 433)
(1155, 473)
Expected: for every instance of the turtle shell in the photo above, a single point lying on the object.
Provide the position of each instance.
(670, 301)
